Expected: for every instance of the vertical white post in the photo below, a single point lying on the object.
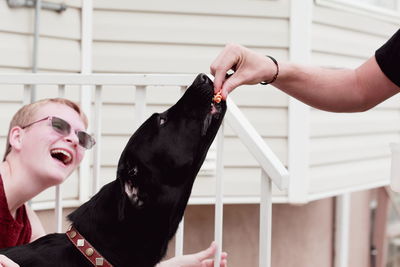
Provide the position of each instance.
(86, 91)
(179, 236)
(219, 196)
(84, 167)
(342, 239)
(140, 104)
(97, 147)
(87, 36)
(179, 239)
(27, 94)
(299, 113)
(59, 205)
(265, 220)
(58, 209)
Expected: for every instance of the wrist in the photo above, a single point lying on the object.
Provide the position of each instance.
(273, 64)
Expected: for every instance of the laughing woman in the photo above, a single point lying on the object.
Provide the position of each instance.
(46, 142)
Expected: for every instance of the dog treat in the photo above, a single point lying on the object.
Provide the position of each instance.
(217, 97)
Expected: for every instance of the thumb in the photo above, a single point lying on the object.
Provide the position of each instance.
(208, 252)
(230, 84)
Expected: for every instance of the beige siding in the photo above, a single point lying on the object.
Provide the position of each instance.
(59, 45)
(350, 150)
(59, 51)
(145, 37)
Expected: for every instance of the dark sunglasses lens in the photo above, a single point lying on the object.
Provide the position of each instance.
(85, 140)
(60, 126)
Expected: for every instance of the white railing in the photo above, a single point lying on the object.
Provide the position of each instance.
(272, 170)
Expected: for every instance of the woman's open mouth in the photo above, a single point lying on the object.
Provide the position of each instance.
(61, 155)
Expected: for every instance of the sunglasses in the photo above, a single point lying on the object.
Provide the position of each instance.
(64, 128)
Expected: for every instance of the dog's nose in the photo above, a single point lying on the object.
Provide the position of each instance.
(201, 91)
(203, 78)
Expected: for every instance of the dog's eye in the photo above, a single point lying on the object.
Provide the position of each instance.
(133, 171)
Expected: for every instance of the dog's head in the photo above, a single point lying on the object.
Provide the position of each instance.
(165, 154)
(139, 212)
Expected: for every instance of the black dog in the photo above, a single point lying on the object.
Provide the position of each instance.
(130, 221)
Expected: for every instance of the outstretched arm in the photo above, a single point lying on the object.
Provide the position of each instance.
(338, 90)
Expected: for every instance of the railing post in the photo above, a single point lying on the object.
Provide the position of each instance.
(59, 204)
(179, 236)
(265, 220)
(97, 148)
(84, 167)
(27, 94)
(140, 104)
(342, 239)
(219, 205)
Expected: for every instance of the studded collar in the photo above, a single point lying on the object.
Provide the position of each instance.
(86, 248)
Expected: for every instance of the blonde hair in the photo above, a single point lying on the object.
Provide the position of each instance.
(24, 115)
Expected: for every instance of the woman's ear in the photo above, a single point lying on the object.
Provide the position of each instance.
(15, 137)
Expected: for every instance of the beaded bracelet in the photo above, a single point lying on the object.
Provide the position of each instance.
(276, 74)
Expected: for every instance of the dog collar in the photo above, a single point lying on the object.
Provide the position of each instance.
(86, 248)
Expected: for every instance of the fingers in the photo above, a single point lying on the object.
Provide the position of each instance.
(6, 262)
(207, 253)
(229, 84)
(206, 256)
(225, 61)
(210, 263)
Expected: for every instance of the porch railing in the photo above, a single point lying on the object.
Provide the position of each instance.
(272, 170)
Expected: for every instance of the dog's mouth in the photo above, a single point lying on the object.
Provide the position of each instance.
(215, 112)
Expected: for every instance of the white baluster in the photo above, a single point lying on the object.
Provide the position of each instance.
(97, 147)
(265, 220)
(219, 196)
(59, 204)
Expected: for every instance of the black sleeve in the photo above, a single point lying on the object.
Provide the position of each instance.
(388, 58)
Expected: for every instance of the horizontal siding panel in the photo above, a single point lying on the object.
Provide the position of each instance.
(334, 177)
(155, 95)
(7, 110)
(391, 103)
(238, 8)
(235, 153)
(336, 124)
(259, 96)
(271, 122)
(245, 96)
(234, 180)
(159, 58)
(335, 61)
(189, 29)
(351, 21)
(69, 188)
(238, 182)
(350, 148)
(121, 120)
(70, 3)
(11, 93)
(344, 42)
(21, 20)
(54, 54)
